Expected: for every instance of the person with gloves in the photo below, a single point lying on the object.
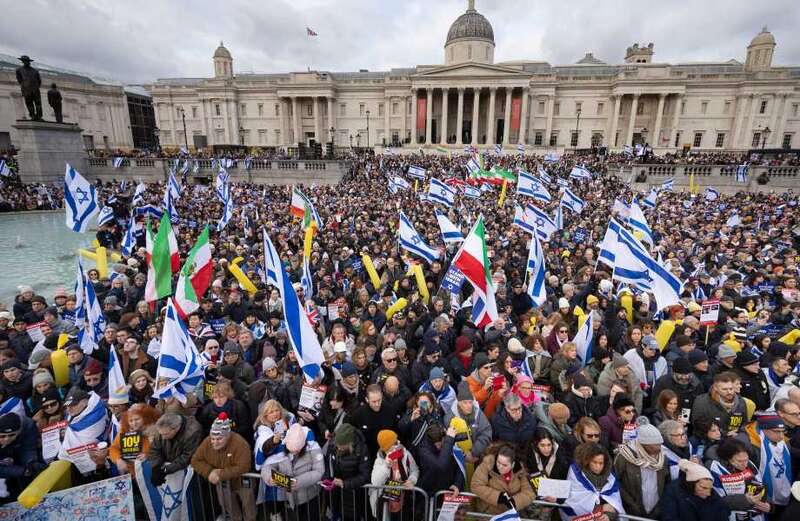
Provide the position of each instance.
(501, 482)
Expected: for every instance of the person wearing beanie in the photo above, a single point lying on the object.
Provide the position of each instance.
(580, 398)
(141, 387)
(438, 468)
(224, 401)
(94, 378)
(431, 357)
(459, 364)
(392, 462)
(700, 367)
(620, 421)
(693, 496)
(723, 404)
(232, 356)
(438, 386)
(467, 412)
(725, 359)
(47, 408)
(647, 364)
(481, 382)
(42, 382)
(348, 468)
(554, 418)
(682, 381)
(620, 369)
(642, 471)
(15, 380)
(222, 458)
(754, 381)
(682, 346)
(19, 452)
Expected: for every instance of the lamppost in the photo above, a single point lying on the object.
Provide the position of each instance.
(182, 112)
(351, 140)
(367, 128)
(765, 136)
(241, 135)
(577, 124)
(156, 141)
(333, 139)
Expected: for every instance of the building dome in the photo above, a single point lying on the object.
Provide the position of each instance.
(222, 52)
(764, 37)
(470, 25)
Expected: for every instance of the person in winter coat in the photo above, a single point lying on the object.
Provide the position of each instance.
(692, 496)
(347, 469)
(459, 364)
(301, 460)
(514, 423)
(232, 355)
(171, 449)
(581, 400)
(223, 400)
(481, 385)
(722, 405)
(754, 381)
(643, 472)
(222, 458)
(619, 421)
(567, 355)
(501, 482)
(133, 357)
(553, 418)
(466, 408)
(423, 413)
(647, 364)
(620, 369)
(394, 466)
(593, 485)
(438, 467)
(544, 459)
(135, 420)
(21, 463)
(420, 371)
(373, 417)
(683, 383)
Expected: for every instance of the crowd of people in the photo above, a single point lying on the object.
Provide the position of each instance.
(679, 413)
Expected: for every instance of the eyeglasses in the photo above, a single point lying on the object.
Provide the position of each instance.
(390, 360)
(49, 405)
(562, 331)
(678, 435)
(592, 435)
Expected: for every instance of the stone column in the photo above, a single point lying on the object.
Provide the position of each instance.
(612, 136)
(781, 124)
(285, 123)
(414, 97)
(773, 137)
(748, 131)
(235, 120)
(226, 120)
(295, 121)
(476, 102)
(673, 131)
(387, 122)
(445, 92)
(551, 103)
(507, 116)
(659, 113)
(491, 125)
(331, 137)
(403, 103)
(428, 116)
(634, 108)
(172, 112)
(523, 124)
(460, 116)
(205, 121)
(737, 121)
(317, 119)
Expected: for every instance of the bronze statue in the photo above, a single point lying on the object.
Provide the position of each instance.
(54, 99)
(29, 80)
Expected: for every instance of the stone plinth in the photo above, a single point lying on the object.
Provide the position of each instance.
(45, 148)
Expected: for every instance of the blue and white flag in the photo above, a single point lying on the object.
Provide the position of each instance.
(13, 404)
(473, 167)
(667, 185)
(530, 186)
(221, 186)
(80, 200)
(580, 172)
(498, 149)
(637, 222)
(450, 232)
(195, 166)
(248, 163)
(180, 368)
(584, 496)
(471, 192)
(741, 173)
(169, 205)
(441, 193)
(301, 334)
(117, 162)
(535, 273)
(572, 201)
(628, 150)
(138, 194)
(665, 286)
(166, 502)
(711, 194)
(129, 242)
(563, 183)
(652, 197)
(508, 515)
(86, 428)
(307, 281)
(617, 254)
(608, 246)
(543, 176)
(117, 387)
(5, 170)
(521, 148)
(534, 220)
(551, 157)
(398, 183)
(88, 314)
(416, 172)
(149, 210)
(174, 188)
(227, 213)
(412, 241)
(584, 339)
(523, 220)
(106, 216)
(733, 220)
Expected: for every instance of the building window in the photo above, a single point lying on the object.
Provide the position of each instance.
(277, 137)
(342, 109)
(260, 109)
(640, 109)
(487, 52)
(578, 106)
(683, 108)
(277, 109)
(557, 109)
(290, 107)
(554, 139)
(698, 139)
(537, 139)
(573, 140)
(703, 107)
(763, 108)
(380, 109)
(310, 109)
(395, 108)
(597, 139)
(243, 110)
(541, 107)
(361, 110)
(217, 109)
(720, 140)
(194, 112)
(787, 141)
(101, 111)
(756, 139)
(677, 138)
(600, 107)
(795, 109)
(262, 136)
(727, 108)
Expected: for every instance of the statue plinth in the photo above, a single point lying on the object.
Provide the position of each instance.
(45, 148)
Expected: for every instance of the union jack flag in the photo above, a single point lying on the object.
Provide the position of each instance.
(312, 313)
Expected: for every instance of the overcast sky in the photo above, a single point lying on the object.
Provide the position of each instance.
(138, 41)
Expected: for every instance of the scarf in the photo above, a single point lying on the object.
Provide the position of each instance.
(466, 361)
(584, 496)
(635, 454)
(546, 468)
(776, 469)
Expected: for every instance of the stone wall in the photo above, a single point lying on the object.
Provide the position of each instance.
(720, 177)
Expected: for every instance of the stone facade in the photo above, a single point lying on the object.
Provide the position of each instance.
(472, 100)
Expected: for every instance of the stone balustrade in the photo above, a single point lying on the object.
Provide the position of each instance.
(719, 177)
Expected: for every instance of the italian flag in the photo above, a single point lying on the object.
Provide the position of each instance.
(159, 260)
(195, 276)
(473, 261)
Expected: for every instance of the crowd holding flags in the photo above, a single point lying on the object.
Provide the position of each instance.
(473, 261)
(530, 186)
(80, 201)
(537, 289)
(441, 193)
(450, 232)
(180, 367)
(741, 173)
(195, 276)
(413, 242)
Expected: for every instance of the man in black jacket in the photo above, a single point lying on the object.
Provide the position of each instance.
(513, 423)
(347, 468)
(439, 469)
(683, 382)
(754, 382)
(373, 417)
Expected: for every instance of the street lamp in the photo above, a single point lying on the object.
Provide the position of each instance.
(182, 112)
(368, 129)
(577, 124)
(765, 136)
(333, 138)
(351, 140)
(241, 135)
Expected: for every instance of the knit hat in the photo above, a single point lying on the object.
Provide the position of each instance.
(10, 423)
(769, 422)
(621, 401)
(697, 356)
(345, 434)
(232, 347)
(558, 412)
(137, 373)
(432, 349)
(222, 425)
(515, 346)
(591, 299)
(667, 427)
(295, 438)
(400, 344)
(348, 369)
(650, 342)
(694, 471)
(563, 303)
(42, 376)
(435, 373)
(619, 361)
(386, 439)
(268, 363)
(650, 435)
(681, 365)
(694, 307)
(228, 372)
(93, 367)
(464, 392)
(50, 395)
(580, 381)
(463, 343)
(725, 351)
(745, 358)
(480, 360)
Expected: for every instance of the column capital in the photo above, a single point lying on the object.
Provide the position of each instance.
(662, 95)
(461, 89)
(636, 96)
(492, 89)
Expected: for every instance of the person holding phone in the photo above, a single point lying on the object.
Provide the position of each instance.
(394, 467)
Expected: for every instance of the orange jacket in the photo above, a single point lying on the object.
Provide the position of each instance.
(487, 399)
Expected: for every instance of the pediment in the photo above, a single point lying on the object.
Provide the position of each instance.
(473, 70)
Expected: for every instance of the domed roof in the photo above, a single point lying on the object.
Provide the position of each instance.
(471, 25)
(764, 37)
(222, 52)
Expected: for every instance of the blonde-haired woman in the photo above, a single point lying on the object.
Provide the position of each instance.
(271, 425)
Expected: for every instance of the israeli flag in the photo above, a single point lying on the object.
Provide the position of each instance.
(105, 216)
(583, 340)
(523, 220)
(508, 515)
(167, 502)
(498, 149)
(91, 328)
(521, 148)
(399, 184)
(117, 387)
(13, 404)
(117, 162)
(580, 172)
(667, 185)
(530, 186)
(221, 186)
(5, 171)
(543, 176)
(412, 241)
(417, 172)
(149, 210)
(563, 183)
(307, 281)
(471, 192)
(535, 272)
(626, 267)
(733, 220)
(572, 201)
(450, 232)
(129, 242)
(536, 219)
(184, 151)
(138, 194)
(180, 368)
(559, 220)
(622, 208)
(711, 194)
(551, 157)
(80, 200)
(666, 288)
(169, 206)
(650, 200)
(301, 334)
(195, 167)
(473, 167)
(185, 168)
(227, 213)
(174, 187)
(608, 246)
(87, 427)
(441, 193)
(627, 150)
(741, 173)
(637, 222)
